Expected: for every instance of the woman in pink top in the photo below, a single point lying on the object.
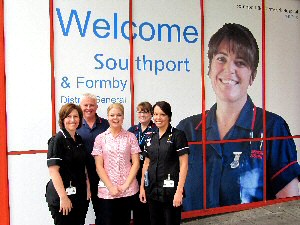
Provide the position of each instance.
(116, 153)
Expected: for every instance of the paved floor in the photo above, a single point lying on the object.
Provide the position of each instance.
(287, 213)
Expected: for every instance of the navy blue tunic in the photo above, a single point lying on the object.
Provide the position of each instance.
(142, 137)
(88, 136)
(227, 185)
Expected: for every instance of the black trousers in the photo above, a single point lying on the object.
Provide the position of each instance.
(116, 211)
(94, 197)
(164, 213)
(75, 217)
(141, 215)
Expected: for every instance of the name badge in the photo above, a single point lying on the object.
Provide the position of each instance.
(101, 184)
(71, 190)
(141, 157)
(146, 179)
(236, 160)
(168, 182)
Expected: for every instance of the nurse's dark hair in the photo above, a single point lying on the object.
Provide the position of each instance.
(65, 110)
(241, 42)
(165, 107)
(145, 106)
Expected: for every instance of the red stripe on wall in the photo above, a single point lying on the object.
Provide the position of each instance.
(203, 102)
(4, 193)
(53, 101)
(29, 152)
(263, 27)
(131, 61)
(234, 208)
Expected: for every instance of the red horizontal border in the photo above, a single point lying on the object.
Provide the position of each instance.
(29, 152)
(244, 140)
(234, 208)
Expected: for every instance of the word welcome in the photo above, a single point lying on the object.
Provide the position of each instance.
(146, 31)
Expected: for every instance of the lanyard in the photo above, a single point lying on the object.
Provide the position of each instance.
(141, 136)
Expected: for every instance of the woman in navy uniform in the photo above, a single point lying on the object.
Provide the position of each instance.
(68, 192)
(235, 170)
(144, 128)
(165, 169)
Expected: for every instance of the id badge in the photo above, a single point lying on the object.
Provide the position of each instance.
(101, 184)
(71, 190)
(168, 182)
(146, 179)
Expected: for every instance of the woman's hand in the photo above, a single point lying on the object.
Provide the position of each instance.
(143, 195)
(65, 205)
(123, 187)
(177, 201)
(113, 190)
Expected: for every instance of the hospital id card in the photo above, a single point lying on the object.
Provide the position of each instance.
(71, 190)
(168, 182)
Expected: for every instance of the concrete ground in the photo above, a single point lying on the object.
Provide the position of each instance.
(287, 213)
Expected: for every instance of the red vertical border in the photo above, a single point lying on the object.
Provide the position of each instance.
(131, 60)
(263, 31)
(203, 103)
(4, 193)
(53, 101)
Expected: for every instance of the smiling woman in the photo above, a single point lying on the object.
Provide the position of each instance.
(165, 168)
(237, 166)
(68, 191)
(116, 153)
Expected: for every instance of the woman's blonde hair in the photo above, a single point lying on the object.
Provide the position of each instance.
(115, 105)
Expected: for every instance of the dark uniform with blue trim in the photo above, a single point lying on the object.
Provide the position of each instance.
(142, 137)
(70, 156)
(164, 163)
(227, 184)
(141, 211)
(88, 136)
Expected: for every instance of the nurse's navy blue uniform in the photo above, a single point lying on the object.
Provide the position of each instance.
(142, 137)
(235, 169)
(141, 210)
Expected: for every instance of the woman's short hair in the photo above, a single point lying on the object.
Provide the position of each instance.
(145, 106)
(241, 41)
(165, 107)
(65, 110)
(116, 105)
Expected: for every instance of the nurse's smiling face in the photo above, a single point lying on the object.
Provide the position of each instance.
(230, 75)
(115, 118)
(71, 122)
(161, 119)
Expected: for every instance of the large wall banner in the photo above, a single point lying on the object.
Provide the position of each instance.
(92, 54)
